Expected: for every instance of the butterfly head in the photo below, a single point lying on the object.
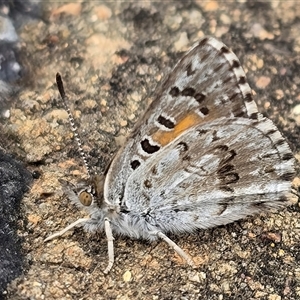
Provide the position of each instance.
(86, 194)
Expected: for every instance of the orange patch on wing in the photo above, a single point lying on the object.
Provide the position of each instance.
(165, 137)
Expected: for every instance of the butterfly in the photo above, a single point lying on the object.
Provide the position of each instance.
(201, 156)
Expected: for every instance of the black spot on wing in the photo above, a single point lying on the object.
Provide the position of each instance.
(267, 155)
(215, 136)
(188, 91)
(225, 169)
(204, 110)
(254, 116)
(199, 97)
(202, 131)
(225, 172)
(288, 176)
(235, 64)
(165, 122)
(224, 50)
(233, 96)
(221, 147)
(174, 92)
(203, 42)
(248, 97)
(147, 184)
(238, 113)
(186, 158)
(148, 148)
(228, 157)
(287, 156)
(229, 178)
(242, 80)
(183, 146)
(226, 188)
(279, 142)
(154, 170)
(222, 208)
(135, 164)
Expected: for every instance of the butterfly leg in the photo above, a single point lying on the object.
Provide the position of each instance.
(60, 233)
(179, 251)
(110, 245)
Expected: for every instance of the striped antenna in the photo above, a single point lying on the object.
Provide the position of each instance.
(74, 128)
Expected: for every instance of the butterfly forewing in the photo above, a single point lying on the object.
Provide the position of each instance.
(208, 83)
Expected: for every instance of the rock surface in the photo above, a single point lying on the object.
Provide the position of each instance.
(111, 57)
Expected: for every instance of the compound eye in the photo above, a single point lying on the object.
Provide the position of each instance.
(85, 198)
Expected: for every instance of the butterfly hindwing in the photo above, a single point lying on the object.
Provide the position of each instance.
(230, 176)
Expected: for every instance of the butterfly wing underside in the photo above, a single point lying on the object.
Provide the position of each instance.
(206, 92)
(231, 175)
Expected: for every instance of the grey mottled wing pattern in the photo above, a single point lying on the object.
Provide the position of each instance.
(207, 85)
(242, 166)
(208, 77)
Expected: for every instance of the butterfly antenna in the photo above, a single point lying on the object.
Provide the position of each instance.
(74, 128)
